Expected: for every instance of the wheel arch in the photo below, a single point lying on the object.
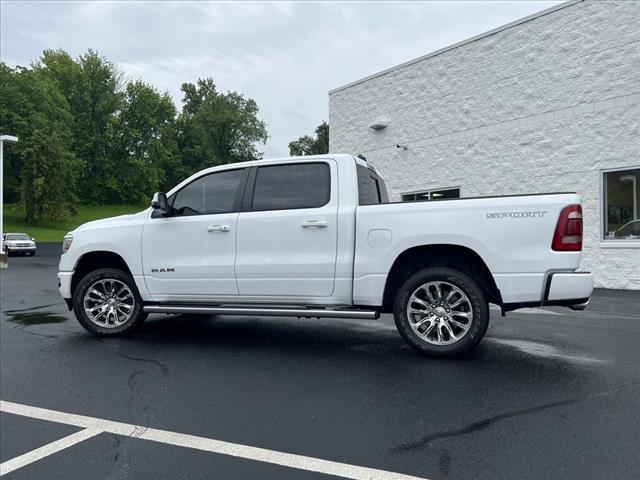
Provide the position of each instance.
(95, 260)
(453, 256)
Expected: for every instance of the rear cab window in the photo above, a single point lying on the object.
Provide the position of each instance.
(371, 187)
(292, 186)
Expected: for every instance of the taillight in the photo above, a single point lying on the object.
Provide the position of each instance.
(568, 234)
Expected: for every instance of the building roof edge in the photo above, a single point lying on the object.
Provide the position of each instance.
(488, 33)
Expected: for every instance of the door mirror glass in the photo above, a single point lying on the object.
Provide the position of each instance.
(159, 202)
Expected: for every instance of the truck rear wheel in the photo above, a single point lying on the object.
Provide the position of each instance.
(441, 312)
(106, 302)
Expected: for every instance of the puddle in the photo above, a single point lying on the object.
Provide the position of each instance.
(544, 351)
(29, 309)
(34, 316)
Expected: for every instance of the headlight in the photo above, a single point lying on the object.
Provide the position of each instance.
(66, 243)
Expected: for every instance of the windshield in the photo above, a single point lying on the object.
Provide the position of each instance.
(18, 236)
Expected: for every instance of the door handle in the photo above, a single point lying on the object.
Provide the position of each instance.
(315, 224)
(218, 228)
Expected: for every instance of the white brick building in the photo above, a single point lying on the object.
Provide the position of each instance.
(548, 103)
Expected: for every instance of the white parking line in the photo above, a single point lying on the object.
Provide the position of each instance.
(290, 460)
(46, 450)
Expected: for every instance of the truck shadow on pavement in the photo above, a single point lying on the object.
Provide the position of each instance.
(322, 338)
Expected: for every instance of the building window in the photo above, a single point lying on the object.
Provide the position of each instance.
(431, 195)
(621, 194)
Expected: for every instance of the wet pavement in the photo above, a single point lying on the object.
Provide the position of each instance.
(548, 394)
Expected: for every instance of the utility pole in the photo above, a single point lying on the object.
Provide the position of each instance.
(3, 138)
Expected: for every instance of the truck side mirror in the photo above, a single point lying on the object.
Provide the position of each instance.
(159, 202)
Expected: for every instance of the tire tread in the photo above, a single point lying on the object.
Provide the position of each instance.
(464, 282)
(134, 322)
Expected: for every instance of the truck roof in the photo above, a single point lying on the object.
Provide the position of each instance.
(338, 157)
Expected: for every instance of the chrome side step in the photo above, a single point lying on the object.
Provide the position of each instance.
(264, 312)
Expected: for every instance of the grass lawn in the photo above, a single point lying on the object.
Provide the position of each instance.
(51, 232)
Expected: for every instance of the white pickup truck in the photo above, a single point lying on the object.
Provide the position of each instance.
(317, 237)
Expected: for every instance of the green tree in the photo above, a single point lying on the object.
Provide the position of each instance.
(145, 143)
(41, 164)
(14, 111)
(88, 136)
(216, 128)
(60, 67)
(307, 145)
(92, 87)
(47, 175)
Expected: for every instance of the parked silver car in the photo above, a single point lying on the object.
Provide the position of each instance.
(15, 243)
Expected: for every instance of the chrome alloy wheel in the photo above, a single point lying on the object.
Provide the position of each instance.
(439, 313)
(109, 303)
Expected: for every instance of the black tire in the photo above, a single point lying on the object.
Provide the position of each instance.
(479, 320)
(137, 318)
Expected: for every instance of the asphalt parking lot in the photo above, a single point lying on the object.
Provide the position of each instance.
(548, 394)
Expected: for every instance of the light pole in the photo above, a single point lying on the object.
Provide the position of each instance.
(3, 138)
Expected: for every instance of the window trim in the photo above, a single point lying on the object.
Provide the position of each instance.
(377, 180)
(430, 191)
(603, 214)
(247, 204)
(237, 201)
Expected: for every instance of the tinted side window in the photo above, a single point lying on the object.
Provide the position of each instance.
(213, 193)
(303, 185)
(371, 188)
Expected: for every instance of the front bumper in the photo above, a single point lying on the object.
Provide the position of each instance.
(64, 284)
(14, 248)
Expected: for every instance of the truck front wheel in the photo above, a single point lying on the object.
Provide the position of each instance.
(106, 303)
(441, 312)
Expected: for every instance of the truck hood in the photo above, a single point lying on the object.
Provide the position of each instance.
(109, 222)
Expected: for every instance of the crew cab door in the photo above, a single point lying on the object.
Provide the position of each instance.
(191, 253)
(287, 231)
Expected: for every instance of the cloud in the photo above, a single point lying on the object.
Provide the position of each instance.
(286, 56)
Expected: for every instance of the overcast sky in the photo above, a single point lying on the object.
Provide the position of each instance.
(286, 56)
